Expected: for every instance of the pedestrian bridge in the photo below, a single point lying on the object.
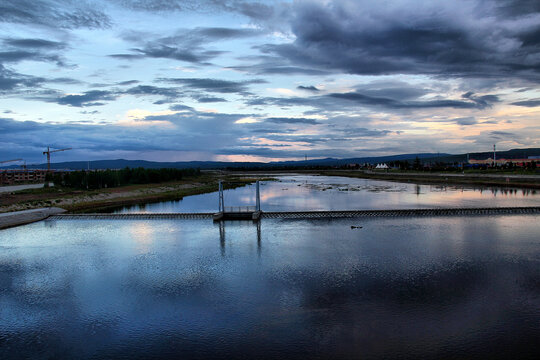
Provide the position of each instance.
(254, 212)
(335, 214)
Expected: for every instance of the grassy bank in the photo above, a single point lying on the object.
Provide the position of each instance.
(106, 199)
(443, 179)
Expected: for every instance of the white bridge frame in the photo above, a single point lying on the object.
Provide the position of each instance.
(240, 209)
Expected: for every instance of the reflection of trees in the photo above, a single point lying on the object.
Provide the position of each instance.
(493, 190)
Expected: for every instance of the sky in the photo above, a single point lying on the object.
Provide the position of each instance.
(240, 80)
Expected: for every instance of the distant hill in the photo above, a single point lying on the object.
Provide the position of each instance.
(122, 163)
(425, 157)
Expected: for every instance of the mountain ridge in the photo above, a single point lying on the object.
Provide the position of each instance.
(425, 157)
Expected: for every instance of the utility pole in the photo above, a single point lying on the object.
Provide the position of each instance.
(494, 156)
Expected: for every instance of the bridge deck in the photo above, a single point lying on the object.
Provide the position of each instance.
(315, 214)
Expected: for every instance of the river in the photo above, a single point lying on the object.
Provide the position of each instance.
(426, 287)
(308, 192)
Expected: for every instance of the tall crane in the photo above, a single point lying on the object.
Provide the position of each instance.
(6, 161)
(48, 152)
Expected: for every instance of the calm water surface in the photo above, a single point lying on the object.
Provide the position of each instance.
(442, 287)
(304, 192)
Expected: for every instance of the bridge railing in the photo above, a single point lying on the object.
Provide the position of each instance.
(240, 209)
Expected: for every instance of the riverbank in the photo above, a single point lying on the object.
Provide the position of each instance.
(475, 179)
(17, 218)
(103, 199)
(80, 201)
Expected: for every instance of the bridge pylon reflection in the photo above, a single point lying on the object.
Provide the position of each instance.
(222, 236)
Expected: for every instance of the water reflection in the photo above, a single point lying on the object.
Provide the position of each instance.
(222, 237)
(302, 192)
(142, 234)
(444, 287)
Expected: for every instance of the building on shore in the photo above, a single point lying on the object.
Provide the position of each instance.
(502, 161)
(12, 176)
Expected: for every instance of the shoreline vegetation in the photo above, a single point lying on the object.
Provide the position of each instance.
(474, 179)
(106, 199)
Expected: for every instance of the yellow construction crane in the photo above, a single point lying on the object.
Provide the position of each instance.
(48, 152)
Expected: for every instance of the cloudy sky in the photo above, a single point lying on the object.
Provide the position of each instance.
(173, 80)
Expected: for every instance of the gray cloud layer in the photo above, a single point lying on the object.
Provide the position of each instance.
(484, 47)
(67, 14)
(479, 39)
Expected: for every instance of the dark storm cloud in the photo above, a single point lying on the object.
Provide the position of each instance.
(482, 101)
(127, 56)
(10, 80)
(471, 102)
(282, 152)
(161, 5)
(153, 90)
(54, 13)
(317, 102)
(501, 133)
(405, 100)
(64, 80)
(265, 151)
(8, 125)
(308, 88)
(360, 132)
(20, 55)
(210, 99)
(255, 10)
(273, 65)
(367, 39)
(517, 7)
(397, 90)
(295, 139)
(195, 37)
(204, 34)
(89, 98)
(527, 103)
(193, 128)
(214, 85)
(180, 107)
(19, 49)
(171, 52)
(466, 121)
(128, 82)
(271, 68)
(272, 131)
(282, 120)
(184, 45)
(34, 43)
(96, 97)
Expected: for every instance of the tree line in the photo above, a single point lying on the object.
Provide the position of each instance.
(98, 179)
